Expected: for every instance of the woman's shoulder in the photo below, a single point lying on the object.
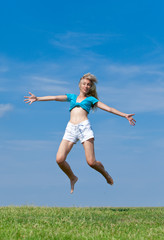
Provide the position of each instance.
(91, 98)
(70, 96)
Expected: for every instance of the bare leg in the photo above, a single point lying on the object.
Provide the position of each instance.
(62, 153)
(90, 157)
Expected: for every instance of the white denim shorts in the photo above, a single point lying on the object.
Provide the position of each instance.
(81, 131)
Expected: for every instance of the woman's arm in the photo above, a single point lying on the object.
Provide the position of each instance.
(114, 111)
(33, 98)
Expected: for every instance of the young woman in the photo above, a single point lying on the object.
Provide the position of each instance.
(78, 128)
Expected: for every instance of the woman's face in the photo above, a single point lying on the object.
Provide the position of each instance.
(85, 85)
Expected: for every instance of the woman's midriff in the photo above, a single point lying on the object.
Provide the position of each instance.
(78, 115)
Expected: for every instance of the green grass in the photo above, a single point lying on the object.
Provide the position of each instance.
(35, 223)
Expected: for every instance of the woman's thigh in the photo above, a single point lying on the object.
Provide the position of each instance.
(89, 151)
(64, 148)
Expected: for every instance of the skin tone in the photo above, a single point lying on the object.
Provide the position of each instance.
(78, 115)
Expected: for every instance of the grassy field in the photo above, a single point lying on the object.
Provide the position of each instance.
(35, 223)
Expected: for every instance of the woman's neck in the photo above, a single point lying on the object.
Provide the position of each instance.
(82, 95)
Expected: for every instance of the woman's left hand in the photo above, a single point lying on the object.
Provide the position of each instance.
(130, 118)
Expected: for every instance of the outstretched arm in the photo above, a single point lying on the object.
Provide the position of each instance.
(32, 98)
(105, 107)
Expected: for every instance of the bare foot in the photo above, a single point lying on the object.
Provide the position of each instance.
(109, 179)
(73, 183)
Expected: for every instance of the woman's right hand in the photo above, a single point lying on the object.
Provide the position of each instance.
(30, 99)
(130, 118)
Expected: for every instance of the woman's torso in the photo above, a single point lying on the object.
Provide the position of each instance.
(78, 115)
(80, 107)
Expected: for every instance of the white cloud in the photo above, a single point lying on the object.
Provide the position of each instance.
(159, 143)
(4, 108)
(3, 65)
(135, 71)
(49, 85)
(27, 145)
(2, 89)
(135, 97)
(128, 87)
(79, 40)
(48, 80)
(124, 69)
(134, 88)
(3, 69)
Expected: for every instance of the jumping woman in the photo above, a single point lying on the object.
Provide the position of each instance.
(79, 128)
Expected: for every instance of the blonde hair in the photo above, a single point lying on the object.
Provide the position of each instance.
(93, 91)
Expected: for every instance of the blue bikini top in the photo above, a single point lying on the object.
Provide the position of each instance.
(86, 104)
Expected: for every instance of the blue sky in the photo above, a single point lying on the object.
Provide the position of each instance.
(45, 47)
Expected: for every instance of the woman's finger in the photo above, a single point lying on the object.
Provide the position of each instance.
(133, 123)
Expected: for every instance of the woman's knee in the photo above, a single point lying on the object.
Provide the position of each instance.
(60, 158)
(91, 162)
